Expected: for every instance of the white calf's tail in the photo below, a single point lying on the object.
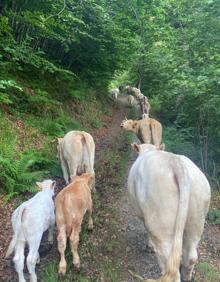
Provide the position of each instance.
(17, 230)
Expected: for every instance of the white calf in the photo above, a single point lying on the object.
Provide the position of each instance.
(171, 194)
(29, 221)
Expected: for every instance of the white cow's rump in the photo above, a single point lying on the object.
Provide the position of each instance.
(171, 194)
(29, 221)
(76, 152)
(114, 93)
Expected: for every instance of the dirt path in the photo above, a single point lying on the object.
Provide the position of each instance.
(119, 240)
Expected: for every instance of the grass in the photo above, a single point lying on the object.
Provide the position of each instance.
(214, 216)
(206, 273)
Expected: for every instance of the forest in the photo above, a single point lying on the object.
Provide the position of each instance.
(59, 60)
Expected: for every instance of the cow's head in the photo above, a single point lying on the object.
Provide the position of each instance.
(89, 178)
(145, 116)
(127, 89)
(129, 124)
(142, 148)
(46, 185)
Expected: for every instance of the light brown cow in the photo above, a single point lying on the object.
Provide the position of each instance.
(133, 91)
(71, 204)
(76, 151)
(148, 130)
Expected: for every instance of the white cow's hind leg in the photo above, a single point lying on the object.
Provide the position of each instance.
(51, 230)
(65, 171)
(32, 258)
(189, 258)
(72, 168)
(19, 260)
(162, 249)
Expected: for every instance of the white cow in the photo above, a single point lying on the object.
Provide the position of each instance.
(29, 221)
(130, 100)
(171, 194)
(114, 93)
(76, 151)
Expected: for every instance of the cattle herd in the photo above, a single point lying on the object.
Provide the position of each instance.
(168, 192)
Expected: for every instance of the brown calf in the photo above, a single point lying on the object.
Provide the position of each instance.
(71, 204)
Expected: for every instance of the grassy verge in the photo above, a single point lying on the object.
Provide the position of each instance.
(207, 272)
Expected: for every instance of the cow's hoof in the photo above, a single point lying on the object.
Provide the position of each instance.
(90, 227)
(62, 271)
(77, 266)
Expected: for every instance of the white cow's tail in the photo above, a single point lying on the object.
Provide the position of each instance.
(17, 231)
(89, 152)
(182, 180)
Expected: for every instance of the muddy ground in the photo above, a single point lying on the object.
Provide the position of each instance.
(119, 240)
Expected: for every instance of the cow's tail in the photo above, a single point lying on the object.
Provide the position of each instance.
(17, 232)
(156, 133)
(91, 156)
(182, 181)
(181, 178)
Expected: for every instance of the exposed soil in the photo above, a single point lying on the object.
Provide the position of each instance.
(119, 240)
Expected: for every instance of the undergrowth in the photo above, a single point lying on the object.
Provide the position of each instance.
(33, 112)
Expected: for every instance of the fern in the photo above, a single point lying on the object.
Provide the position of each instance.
(18, 176)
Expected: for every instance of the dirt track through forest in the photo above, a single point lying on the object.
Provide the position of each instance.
(119, 240)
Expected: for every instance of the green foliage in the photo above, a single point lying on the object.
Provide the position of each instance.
(214, 216)
(18, 171)
(177, 140)
(18, 176)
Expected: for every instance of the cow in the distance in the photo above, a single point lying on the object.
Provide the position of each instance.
(171, 195)
(76, 151)
(133, 91)
(71, 204)
(114, 93)
(148, 130)
(29, 221)
(145, 107)
(131, 100)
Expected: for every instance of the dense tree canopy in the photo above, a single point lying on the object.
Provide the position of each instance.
(169, 48)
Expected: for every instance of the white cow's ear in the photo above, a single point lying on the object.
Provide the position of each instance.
(53, 184)
(162, 147)
(135, 147)
(39, 185)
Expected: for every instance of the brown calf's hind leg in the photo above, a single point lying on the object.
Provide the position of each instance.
(74, 241)
(90, 223)
(61, 238)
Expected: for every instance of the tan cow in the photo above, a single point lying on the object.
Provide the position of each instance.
(76, 151)
(71, 204)
(133, 91)
(148, 130)
(171, 195)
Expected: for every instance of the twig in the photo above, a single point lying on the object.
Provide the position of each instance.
(64, 6)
